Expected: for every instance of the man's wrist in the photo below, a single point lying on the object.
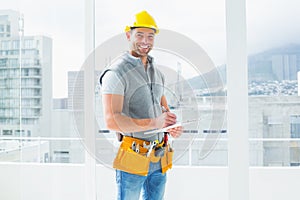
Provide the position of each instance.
(153, 124)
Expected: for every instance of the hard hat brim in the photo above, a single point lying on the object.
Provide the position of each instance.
(128, 28)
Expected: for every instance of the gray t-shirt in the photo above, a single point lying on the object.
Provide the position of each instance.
(111, 84)
(142, 89)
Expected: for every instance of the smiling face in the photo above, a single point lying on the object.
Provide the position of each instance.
(141, 41)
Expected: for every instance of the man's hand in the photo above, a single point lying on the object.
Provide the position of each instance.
(176, 132)
(165, 119)
(168, 119)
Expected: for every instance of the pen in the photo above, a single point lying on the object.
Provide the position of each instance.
(164, 109)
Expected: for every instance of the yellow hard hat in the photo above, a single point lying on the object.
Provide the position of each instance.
(145, 20)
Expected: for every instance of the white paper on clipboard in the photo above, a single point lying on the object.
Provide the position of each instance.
(169, 127)
(163, 129)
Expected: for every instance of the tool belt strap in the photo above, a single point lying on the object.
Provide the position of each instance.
(129, 140)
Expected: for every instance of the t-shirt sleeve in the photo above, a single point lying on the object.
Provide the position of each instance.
(112, 84)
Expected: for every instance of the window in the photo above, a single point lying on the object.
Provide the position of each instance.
(5, 45)
(28, 62)
(177, 67)
(25, 72)
(61, 157)
(295, 155)
(3, 62)
(2, 28)
(30, 52)
(275, 153)
(19, 132)
(7, 132)
(3, 17)
(29, 44)
(295, 126)
(13, 62)
(15, 44)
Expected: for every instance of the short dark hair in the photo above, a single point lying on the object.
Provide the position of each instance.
(131, 28)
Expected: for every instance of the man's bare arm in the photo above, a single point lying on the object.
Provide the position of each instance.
(112, 108)
(164, 103)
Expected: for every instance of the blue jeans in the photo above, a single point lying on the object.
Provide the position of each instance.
(130, 185)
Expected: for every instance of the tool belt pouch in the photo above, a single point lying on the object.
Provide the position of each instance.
(129, 161)
(167, 160)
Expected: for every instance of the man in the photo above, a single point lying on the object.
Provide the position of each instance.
(134, 104)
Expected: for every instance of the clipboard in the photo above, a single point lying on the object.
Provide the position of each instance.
(165, 129)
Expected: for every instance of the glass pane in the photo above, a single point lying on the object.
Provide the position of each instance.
(190, 51)
(37, 49)
(273, 64)
(194, 83)
(40, 41)
(274, 152)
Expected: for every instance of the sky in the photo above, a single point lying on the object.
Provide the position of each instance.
(269, 24)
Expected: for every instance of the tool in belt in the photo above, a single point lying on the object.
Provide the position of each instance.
(135, 155)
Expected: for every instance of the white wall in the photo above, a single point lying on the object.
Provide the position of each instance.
(274, 183)
(67, 182)
(41, 182)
